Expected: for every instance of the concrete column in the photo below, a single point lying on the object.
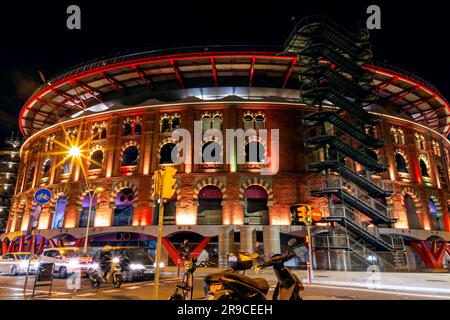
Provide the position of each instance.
(248, 239)
(226, 243)
(272, 244)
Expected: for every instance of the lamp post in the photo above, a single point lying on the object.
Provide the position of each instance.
(75, 152)
(92, 195)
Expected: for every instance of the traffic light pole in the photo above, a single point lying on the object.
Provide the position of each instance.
(310, 261)
(160, 231)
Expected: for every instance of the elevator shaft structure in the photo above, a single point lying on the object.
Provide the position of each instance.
(340, 132)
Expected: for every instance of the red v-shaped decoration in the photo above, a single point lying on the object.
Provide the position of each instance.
(432, 259)
(173, 252)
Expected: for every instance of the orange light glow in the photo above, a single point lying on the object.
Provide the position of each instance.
(186, 218)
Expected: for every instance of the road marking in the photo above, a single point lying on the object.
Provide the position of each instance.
(133, 287)
(86, 294)
(111, 291)
(30, 290)
(382, 291)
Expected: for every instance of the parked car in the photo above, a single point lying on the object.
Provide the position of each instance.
(67, 260)
(134, 262)
(16, 263)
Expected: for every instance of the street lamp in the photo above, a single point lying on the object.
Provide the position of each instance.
(91, 198)
(75, 152)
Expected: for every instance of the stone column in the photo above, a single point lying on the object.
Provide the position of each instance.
(272, 244)
(248, 239)
(226, 243)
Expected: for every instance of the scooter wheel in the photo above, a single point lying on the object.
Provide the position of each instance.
(95, 283)
(117, 280)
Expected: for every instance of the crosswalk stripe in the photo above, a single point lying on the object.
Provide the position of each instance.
(110, 291)
(85, 294)
(133, 287)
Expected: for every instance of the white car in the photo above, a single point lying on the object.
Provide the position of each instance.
(16, 263)
(67, 260)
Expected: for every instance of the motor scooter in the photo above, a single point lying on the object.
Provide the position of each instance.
(114, 276)
(240, 287)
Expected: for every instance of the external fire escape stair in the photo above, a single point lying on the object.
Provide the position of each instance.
(345, 149)
(376, 216)
(371, 188)
(317, 118)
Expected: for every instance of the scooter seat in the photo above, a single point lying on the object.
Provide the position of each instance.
(259, 283)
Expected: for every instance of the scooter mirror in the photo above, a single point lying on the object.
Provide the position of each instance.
(292, 242)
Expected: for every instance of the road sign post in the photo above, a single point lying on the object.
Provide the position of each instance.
(41, 197)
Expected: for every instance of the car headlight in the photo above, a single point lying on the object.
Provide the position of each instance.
(136, 266)
(161, 265)
(115, 260)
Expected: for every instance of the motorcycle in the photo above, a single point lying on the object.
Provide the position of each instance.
(241, 287)
(187, 285)
(239, 263)
(114, 276)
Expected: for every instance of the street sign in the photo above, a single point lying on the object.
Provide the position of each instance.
(42, 196)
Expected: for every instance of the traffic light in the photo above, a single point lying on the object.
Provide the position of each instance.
(168, 182)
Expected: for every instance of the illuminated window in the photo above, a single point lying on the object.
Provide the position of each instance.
(424, 168)
(401, 163)
(165, 155)
(58, 217)
(47, 167)
(259, 122)
(130, 156)
(170, 122)
(132, 126)
(67, 167)
(87, 201)
(254, 152)
(96, 160)
(211, 152)
(248, 122)
(209, 210)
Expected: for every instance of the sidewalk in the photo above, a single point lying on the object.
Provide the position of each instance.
(410, 282)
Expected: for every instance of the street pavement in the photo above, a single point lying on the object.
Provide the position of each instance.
(326, 286)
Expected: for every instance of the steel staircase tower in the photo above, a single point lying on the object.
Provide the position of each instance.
(331, 73)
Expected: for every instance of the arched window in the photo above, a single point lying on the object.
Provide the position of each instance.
(176, 123)
(166, 154)
(96, 160)
(58, 217)
(85, 210)
(67, 167)
(259, 122)
(47, 167)
(423, 168)
(123, 212)
(400, 163)
(209, 210)
(127, 129)
(165, 125)
(206, 122)
(211, 152)
(95, 133)
(254, 152)
(217, 122)
(103, 134)
(130, 156)
(410, 206)
(137, 128)
(256, 210)
(435, 214)
(248, 122)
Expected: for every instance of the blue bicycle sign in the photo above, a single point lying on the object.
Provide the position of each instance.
(42, 196)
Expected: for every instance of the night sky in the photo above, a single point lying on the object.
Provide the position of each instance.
(34, 36)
